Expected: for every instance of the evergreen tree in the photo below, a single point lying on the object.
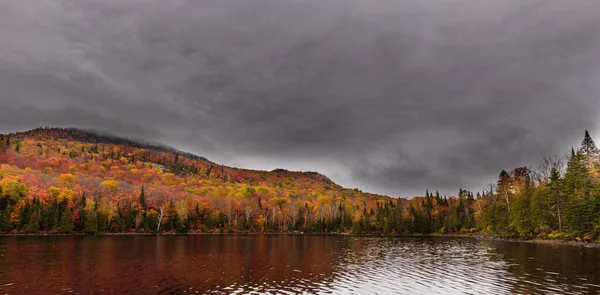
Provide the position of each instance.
(5, 225)
(101, 220)
(588, 147)
(577, 187)
(143, 199)
(24, 217)
(91, 222)
(397, 218)
(577, 175)
(521, 214)
(554, 188)
(33, 226)
(67, 224)
(504, 187)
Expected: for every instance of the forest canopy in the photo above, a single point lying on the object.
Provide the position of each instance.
(55, 180)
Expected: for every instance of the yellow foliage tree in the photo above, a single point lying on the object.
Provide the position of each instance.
(14, 189)
(65, 193)
(54, 191)
(111, 185)
(66, 179)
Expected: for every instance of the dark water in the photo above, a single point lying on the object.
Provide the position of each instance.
(275, 264)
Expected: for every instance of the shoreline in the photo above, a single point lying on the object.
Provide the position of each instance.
(540, 241)
(474, 236)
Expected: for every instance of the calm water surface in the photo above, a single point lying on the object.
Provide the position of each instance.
(275, 264)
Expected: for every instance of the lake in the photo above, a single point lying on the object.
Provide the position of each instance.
(291, 264)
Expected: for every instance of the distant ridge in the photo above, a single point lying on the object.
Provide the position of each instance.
(96, 136)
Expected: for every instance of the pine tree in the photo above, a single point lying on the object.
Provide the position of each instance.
(67, 224)
(33, 226)
(5, 225)
(577, 174)
(588, 147)
(91, 222)
(504, 187)
(577, 187)
(143, 199)
(3, 145)
(53, 215)
(554, 188)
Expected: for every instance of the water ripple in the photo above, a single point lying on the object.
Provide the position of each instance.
(257, 264)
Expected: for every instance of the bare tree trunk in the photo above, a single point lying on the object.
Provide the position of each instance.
(162, 212)
(138, 220)
(274, 213)
(479, 205)
(467, 211)
(321, 212)
(492, 187)
(558, 210)
(266, 219)
(229, 218)
(507, 200)
(306, 219)
(248, 215)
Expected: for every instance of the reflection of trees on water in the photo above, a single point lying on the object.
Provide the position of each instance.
(294, 263)
(172, 264)
(261, 261)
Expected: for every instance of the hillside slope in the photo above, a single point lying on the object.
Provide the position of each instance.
(65, 180)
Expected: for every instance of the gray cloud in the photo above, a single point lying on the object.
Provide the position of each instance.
(388, 96)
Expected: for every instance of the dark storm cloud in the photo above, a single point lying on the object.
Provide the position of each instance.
(389, 96)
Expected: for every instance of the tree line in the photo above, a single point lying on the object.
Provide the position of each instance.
(558, 200)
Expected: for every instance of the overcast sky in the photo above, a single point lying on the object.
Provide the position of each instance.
(389, 96)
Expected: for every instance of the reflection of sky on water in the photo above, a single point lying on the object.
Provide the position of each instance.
(420, 266)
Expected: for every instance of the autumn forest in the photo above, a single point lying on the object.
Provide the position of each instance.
(55, 180)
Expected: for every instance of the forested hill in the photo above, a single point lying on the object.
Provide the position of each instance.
(55, 179)
(67, 180)
(558, 199)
